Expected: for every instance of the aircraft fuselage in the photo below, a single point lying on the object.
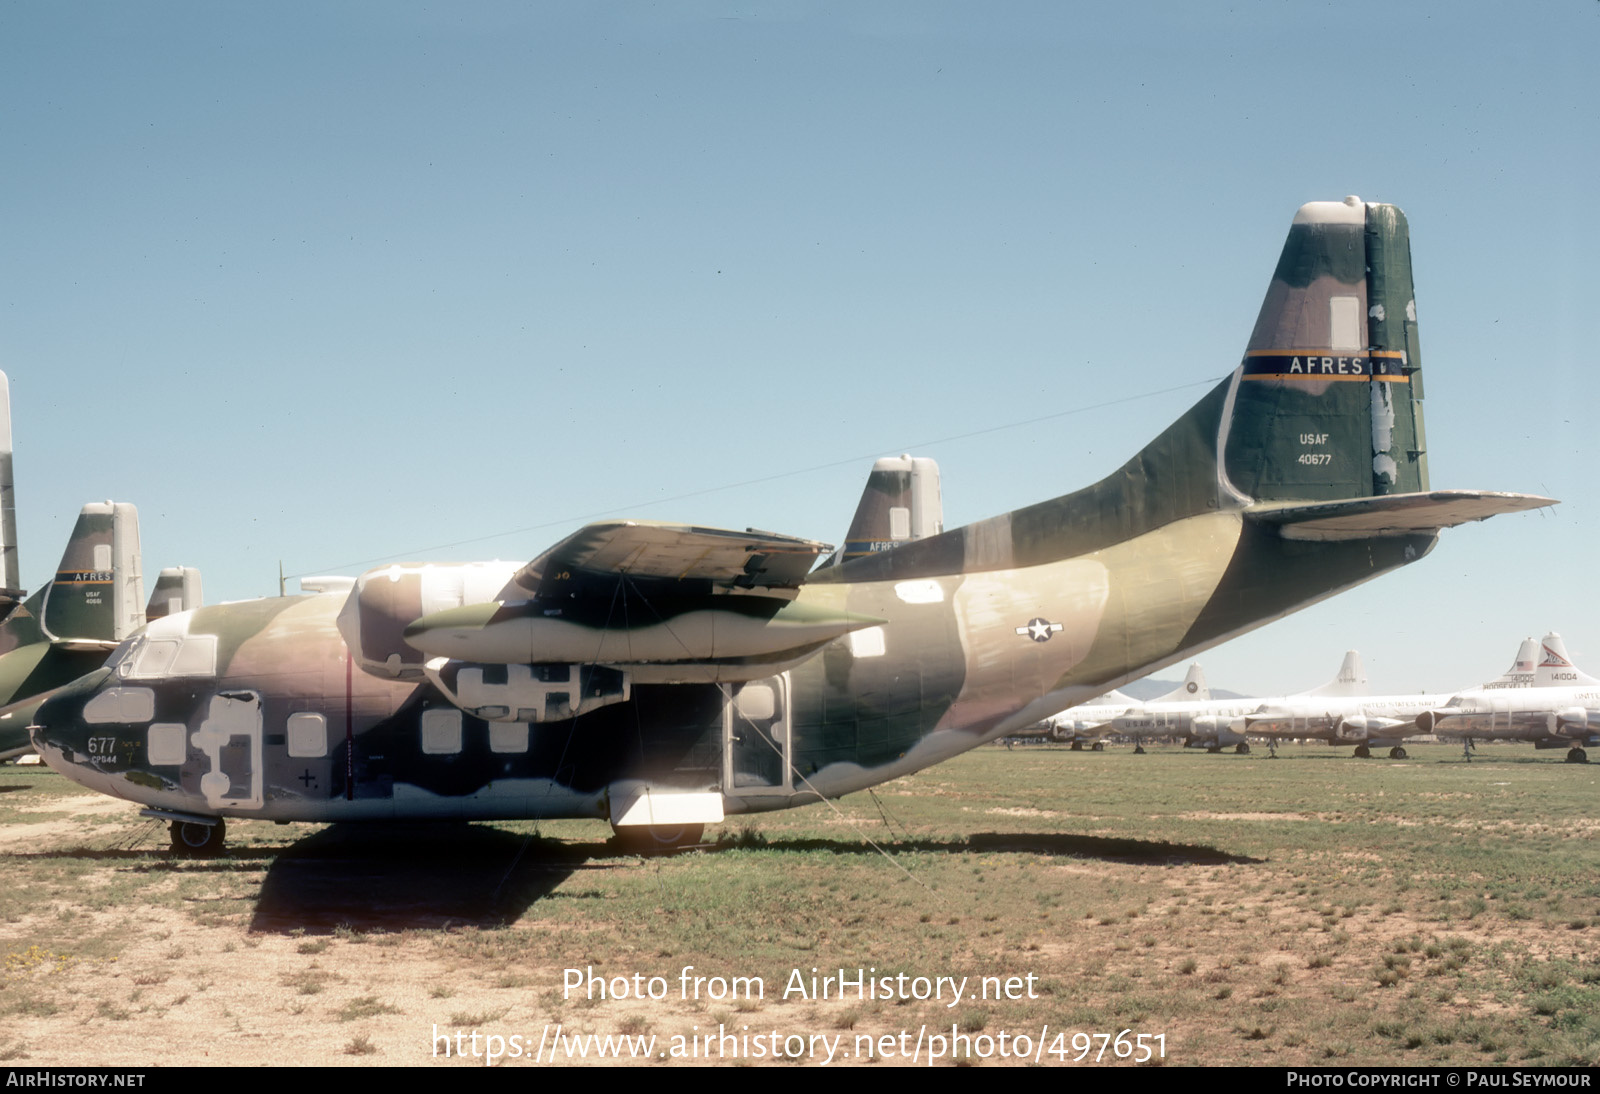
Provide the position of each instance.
(255, 709)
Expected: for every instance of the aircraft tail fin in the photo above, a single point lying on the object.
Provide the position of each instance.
(1328, 402)
(1520, 674)
(1351, 680)
(97, 597)
(10, 579)
(1193, 688)
(901, 503)
(1555, 668)
(177, 589)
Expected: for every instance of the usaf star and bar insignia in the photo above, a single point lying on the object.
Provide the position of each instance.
(1039, 629)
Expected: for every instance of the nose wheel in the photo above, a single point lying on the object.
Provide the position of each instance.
(191, 839)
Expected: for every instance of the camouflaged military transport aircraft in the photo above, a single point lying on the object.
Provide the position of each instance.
(660, 676)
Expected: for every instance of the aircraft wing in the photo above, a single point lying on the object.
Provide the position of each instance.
(1391, 514)
(724, 558)
(658, 603)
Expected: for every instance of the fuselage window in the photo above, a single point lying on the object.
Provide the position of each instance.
(756, 702)
(441, 732)
(508, 737)
(120, 706)
(168, 743)
(307, 735)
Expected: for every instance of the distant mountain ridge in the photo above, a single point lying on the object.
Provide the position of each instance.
(1151, 688)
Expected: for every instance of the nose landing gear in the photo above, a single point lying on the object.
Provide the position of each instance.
(192, 839)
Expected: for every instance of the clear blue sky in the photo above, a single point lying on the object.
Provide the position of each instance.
(335, 284)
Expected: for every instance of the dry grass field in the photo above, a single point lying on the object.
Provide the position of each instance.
(1312, 909)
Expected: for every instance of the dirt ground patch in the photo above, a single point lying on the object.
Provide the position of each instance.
(1183, 912)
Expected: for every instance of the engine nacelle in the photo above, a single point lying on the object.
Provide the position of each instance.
(1354, 727)
(1572, 722)
(386, 600)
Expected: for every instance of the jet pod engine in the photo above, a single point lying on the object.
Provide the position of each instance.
(386, 600)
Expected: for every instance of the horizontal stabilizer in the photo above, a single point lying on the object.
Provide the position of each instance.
(1391, 514)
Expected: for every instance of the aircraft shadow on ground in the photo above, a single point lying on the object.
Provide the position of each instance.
(395, 877)
(1159, 852)
(1030, 843)
(399, 877)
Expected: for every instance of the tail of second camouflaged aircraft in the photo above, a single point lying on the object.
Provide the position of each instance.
(98, 591)
(97, 596)
(67, 628)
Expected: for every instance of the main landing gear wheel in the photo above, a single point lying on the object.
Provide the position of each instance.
(1241, 749)
(1077, 746)
(194, 840)
(657, 839)
(1363, 752)
(1577, 756)
(1098, 746)
(1397, 753)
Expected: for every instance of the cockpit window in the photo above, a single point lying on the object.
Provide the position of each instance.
(155, 657)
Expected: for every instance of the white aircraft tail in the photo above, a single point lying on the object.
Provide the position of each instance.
(1351, 680)
(1555, 668)
(1520, 674)
(1113, 698)
(1193, 688)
